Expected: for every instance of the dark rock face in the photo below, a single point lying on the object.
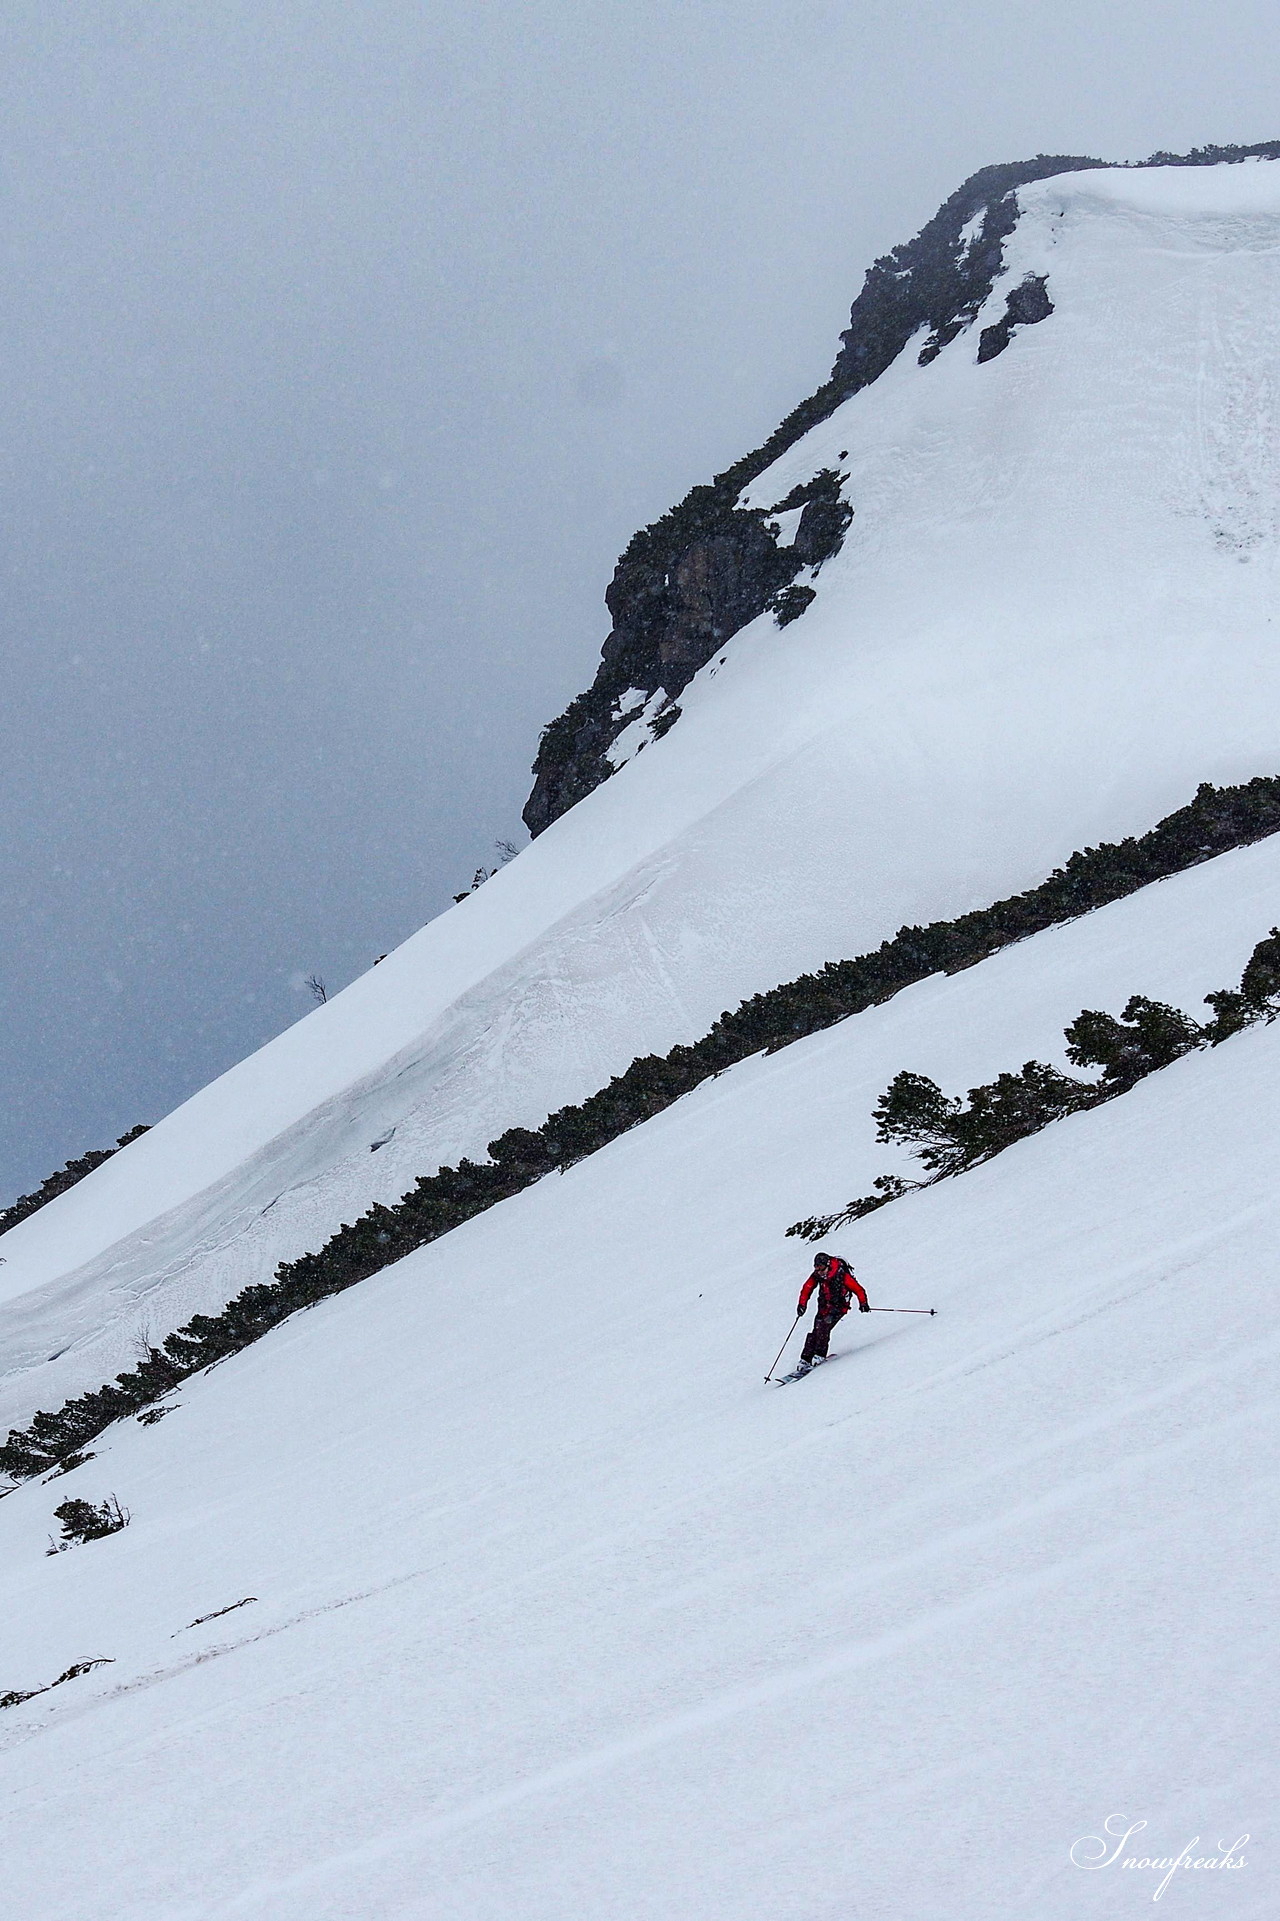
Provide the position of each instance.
(681, 590)
(1026, 305)
(672, 618)
(689, 582)
(822, 528)
(791, 603)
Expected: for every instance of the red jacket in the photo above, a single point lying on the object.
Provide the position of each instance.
(834, 1290)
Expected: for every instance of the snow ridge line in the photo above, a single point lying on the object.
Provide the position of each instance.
(1216, 821)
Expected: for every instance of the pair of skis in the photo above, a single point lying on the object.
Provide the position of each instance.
(798, 1374)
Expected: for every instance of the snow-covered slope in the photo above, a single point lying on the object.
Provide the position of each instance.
(1052, 617)
(558, 1610)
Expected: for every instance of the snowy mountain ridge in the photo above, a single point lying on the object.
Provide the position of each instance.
(1002, 664)
(702, 571)
(501, 1584)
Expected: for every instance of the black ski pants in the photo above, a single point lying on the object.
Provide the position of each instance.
(819, 1335)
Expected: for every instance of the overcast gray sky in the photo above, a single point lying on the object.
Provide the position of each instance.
(345, 343)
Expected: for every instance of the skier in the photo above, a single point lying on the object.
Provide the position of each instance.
(836, 1284)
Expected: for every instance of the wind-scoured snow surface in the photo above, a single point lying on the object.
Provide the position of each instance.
(559, 1610)
(1053, 616)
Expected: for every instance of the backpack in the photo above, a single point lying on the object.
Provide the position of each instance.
(842, 1277)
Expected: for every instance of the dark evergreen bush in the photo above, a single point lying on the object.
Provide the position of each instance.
(1147, 1036)
(1013, 1106)
(1257, 996)
(54, 1184)
(914, 1111)
(949, 1136)
(1260, 981)
(82, 1521)
(70, 1462)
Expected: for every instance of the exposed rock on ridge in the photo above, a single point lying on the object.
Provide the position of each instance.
(687, 583)
(1027, 304)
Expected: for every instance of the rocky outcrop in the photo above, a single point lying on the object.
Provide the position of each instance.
(690, 581)
(683, 587)
(1028, 303)
(672, 617)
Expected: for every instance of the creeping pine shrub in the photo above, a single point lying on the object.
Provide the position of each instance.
(70, 1462)
(14, 1697)
(949, 1135)
(1257, 996)
(1148, 1035)
(888, 1188)
(82, 1521)
(55, 1184)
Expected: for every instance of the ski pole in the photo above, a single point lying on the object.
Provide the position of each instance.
(778, 1356)
(896, 1310)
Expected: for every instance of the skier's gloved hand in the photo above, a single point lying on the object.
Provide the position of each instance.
(864, 1307)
